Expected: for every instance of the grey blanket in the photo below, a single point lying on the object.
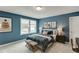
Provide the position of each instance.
(43, 41)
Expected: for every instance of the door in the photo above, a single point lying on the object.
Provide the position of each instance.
(74, 29)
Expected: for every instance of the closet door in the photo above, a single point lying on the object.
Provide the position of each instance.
(74, 29)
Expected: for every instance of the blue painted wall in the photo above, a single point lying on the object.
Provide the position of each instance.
(60, 19)
(14, 35)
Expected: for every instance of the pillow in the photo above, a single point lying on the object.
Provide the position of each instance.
(44, 33)
(50, 33)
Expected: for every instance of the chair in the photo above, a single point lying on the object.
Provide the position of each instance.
(75, 49)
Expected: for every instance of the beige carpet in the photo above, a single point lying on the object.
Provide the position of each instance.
(60, 48)
(19, 47)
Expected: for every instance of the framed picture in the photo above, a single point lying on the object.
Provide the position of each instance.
(45, 25)
(5, 24)
(49, 25)
(54, 24)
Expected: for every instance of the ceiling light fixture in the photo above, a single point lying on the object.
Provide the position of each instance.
(38, 8)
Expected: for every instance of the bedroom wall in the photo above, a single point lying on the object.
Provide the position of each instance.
(14, 35)
(60, 19)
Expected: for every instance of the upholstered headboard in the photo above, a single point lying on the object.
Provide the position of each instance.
(50, 33)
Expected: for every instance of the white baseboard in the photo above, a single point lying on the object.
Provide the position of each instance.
(12, 43)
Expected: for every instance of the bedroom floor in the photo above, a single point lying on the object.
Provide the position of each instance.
(19, 47)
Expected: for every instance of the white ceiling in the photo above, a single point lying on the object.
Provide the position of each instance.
(45, 12)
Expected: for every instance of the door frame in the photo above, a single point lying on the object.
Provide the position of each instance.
(70, 26)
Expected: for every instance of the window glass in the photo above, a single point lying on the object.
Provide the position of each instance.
(24, 26)
(32, 26)
(28, 26)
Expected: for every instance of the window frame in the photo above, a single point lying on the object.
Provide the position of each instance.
(35, 26)
(29, 25)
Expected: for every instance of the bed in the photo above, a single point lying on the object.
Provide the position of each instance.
(42, 40)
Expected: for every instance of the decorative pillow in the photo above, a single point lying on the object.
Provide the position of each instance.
(50, 33)
(44, 33)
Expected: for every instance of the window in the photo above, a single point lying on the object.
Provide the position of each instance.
(32, 26)
(24, 26)
(28, 26)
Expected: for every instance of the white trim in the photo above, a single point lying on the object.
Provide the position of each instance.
(71, 36)
(12, 43)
